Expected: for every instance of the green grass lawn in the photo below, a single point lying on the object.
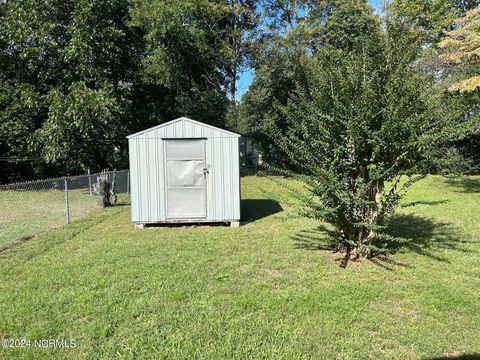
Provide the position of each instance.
(259, 291)
(25, 213)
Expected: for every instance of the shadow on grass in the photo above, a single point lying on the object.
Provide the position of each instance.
(423, 234)
(256, 209)
(424, 202)
(9, 244)
(120, 204)
(456, 357)
(467, 185)
(321, 238)
(420, 235)
(57, 236)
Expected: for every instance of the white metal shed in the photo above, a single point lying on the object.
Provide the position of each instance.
(184, 171)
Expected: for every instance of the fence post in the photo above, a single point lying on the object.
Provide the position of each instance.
(89, 183)
(67, 209)
(128, 183)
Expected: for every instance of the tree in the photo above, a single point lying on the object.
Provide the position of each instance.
(279, 47)
(185, 60)
(271, 85)
(431, 20)
(78, 75)
(366, 118)
(69, 51)
(21, 111)
(84, 128)
(461, 49)
(429, 17)
(238, 45)
(292, 32)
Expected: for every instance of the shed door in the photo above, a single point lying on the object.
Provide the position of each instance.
(186, 193)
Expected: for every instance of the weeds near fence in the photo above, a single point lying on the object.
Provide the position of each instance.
(27, 209)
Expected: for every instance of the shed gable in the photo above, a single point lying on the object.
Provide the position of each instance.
(183, 128)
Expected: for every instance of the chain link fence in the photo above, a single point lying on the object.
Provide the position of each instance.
(29, 208)
(249, 166)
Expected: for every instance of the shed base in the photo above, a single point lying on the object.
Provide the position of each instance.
(182, 223)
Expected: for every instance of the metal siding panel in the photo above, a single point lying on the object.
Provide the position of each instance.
(188, 130)
(221, 155)
(216, 173)
(210, 180)
(161, 180)
(132, 155)
(152, 173)
(196, 131)
(235, 173)
(143, 179)
(224, 133)
(139, 177)
(160, 132)
(158, 179)
(179, 129)
(227, 200)
(148, 176)
(209, 132)
(215, 133)
(169, 131)
(157, 184)
(231, 208)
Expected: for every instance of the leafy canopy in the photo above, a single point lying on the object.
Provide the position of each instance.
(355, 118)
(461, 49)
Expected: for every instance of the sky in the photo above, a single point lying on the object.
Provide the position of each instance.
(247, 77)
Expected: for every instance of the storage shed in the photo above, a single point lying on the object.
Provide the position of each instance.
(184, 171)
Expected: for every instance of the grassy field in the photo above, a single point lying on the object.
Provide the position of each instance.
(259, 291)
(24, 214)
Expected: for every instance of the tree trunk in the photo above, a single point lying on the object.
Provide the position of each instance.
(358, 238)
(373, 216)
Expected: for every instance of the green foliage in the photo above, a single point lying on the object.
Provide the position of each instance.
(260, 291)
(193, 51)
(296, 29)
(362, 116)
(65, 54)
(432, 20)
(429, 17)
(461, 48)
(83, 128)
(340, 23)
(98, 70)
(101, 44)
(21, 113)
(272, 84)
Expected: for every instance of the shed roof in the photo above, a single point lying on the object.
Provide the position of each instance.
(183, 119)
